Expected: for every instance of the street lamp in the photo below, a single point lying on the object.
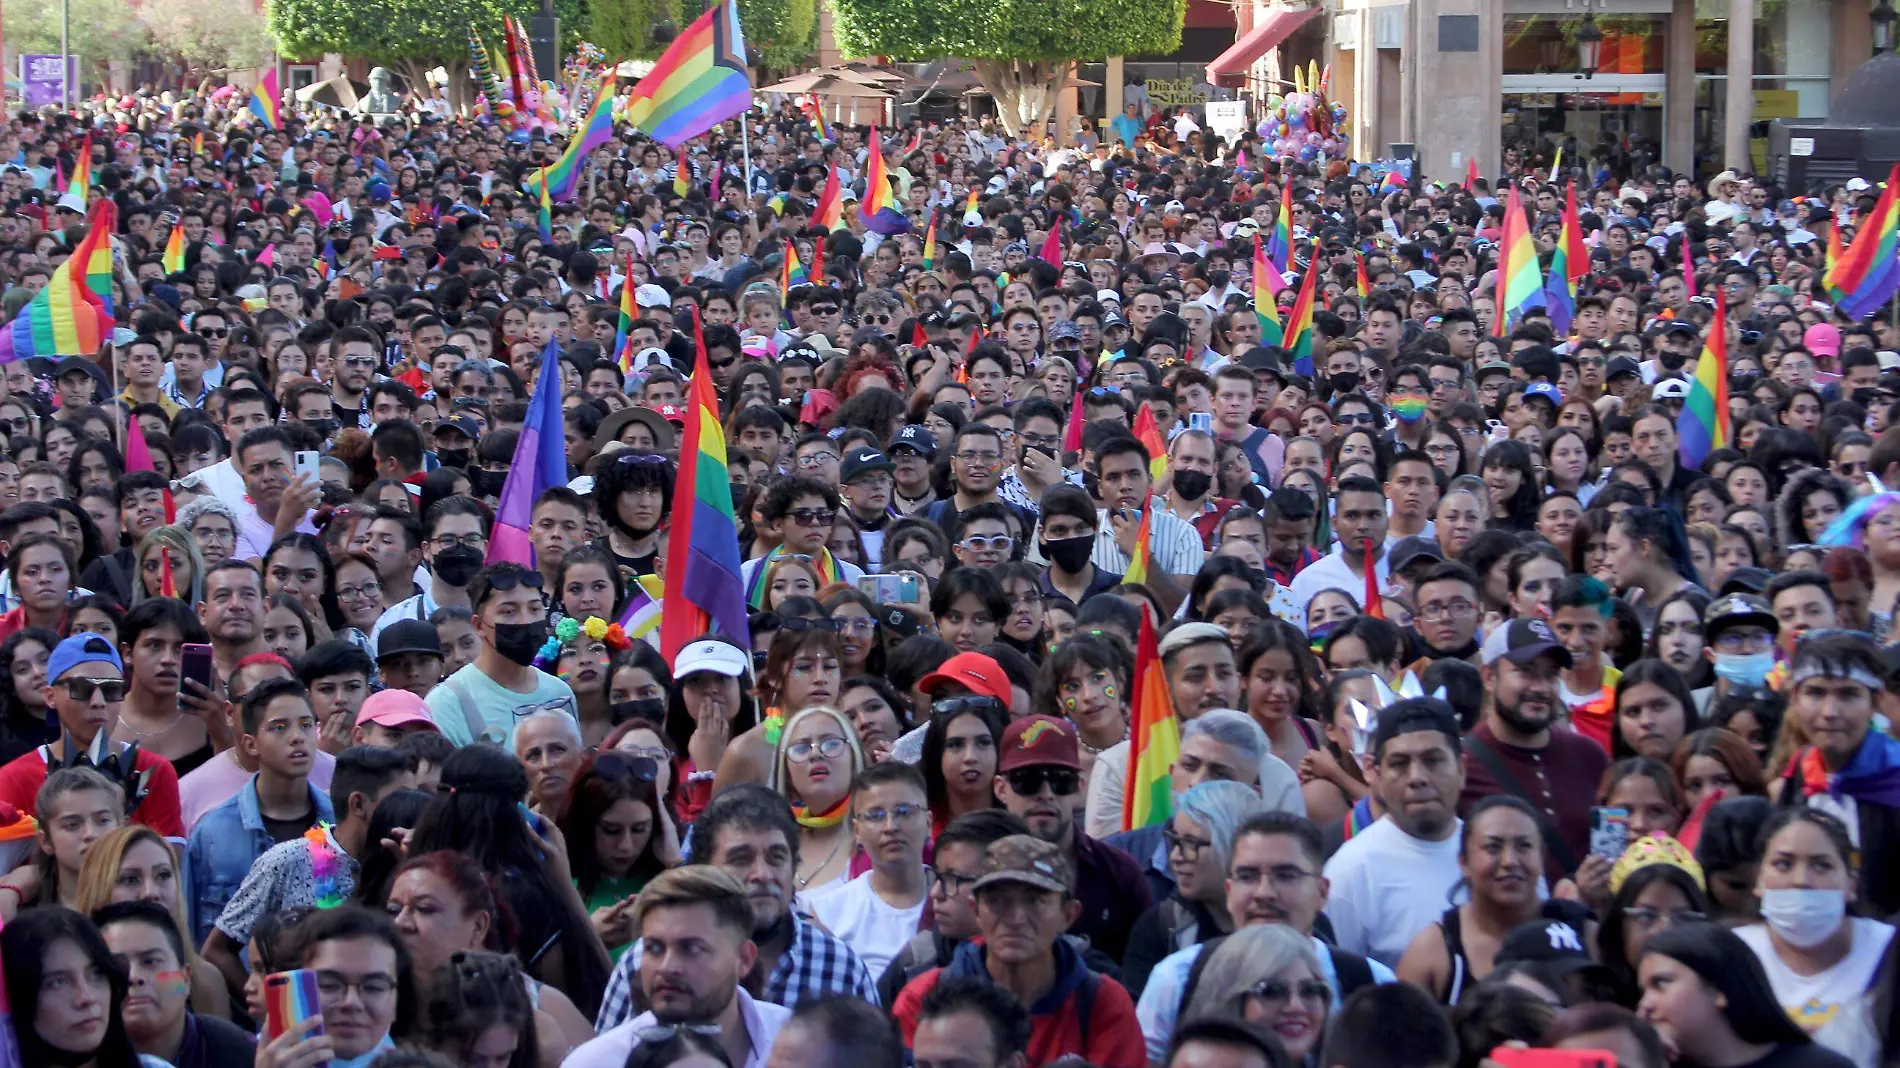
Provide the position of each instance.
(1883, 17)
(1590, 45)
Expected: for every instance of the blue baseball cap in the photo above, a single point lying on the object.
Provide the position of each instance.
(81, 649)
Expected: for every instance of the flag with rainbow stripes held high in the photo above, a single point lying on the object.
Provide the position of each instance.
(1267, 285)
(67, 317)
(265, 100)
(1519, 282)
(879, 209)
(560, 179)
(705, 593)
(1867, 273)
(701, 80)
(623, 324)
(1154, 738)
(1702, 427)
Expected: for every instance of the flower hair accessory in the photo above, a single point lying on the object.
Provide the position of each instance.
(570, 630)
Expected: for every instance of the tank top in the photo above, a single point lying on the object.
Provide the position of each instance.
(1452, 926)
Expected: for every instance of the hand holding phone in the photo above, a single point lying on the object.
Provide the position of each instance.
(290, 998)
(1609, 832)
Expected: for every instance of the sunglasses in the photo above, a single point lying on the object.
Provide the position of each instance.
(645, 458)
(508, 580)
(802, 623)
(809, 517)
(1001, 543)
(616, 765)
(1029, 781)
(81, 690)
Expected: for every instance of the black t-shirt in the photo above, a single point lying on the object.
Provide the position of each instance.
(287, 830)
(1802, 1055)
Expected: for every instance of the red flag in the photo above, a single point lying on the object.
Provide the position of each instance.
(1052, 245)
(138, 455)
(1072, 438)
(1375, 604)
(167, 586)
(918, 339)
(1471, 174)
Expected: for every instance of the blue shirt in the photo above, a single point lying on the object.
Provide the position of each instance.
(224, 845)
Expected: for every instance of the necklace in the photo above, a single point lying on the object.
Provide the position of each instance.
(1098, 752)
(805, 881)
(156, 733)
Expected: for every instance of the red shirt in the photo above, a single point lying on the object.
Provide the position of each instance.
(20, 783)
(1114, 1039)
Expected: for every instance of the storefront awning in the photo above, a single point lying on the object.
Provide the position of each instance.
(1230, 67)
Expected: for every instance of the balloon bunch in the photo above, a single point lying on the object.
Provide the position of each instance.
(1304, 125)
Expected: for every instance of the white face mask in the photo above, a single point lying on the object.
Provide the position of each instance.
(1804, 918)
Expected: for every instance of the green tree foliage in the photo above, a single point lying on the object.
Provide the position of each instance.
(782, 33)
(100, 31)
(624, 28)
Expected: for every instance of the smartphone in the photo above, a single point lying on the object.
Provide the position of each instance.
(290, 998)
(1201, 421)
(307, 464)
(889, 589)
(195, 664)
(1609, 832)
(1514, 1057)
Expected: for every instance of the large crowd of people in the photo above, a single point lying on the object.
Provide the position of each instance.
(1503, 732)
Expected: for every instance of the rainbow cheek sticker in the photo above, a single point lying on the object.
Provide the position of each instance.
(173, 982)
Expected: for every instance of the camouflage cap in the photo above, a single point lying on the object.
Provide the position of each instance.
(1026, 859)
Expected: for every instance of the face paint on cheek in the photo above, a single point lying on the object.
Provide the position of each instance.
(173, 982)
(1068, 703)
(1108, 692)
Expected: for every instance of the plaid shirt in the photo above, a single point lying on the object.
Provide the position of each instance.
(816, 964)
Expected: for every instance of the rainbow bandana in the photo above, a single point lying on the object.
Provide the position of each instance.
(824, 563)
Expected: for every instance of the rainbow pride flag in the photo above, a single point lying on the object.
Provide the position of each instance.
(930, 243)
(65, 318)
(264, 100)
(562, 177)
(1867, 274)
(830, 210)
(80, 183)
(173, 259)
(1560, 287)
(1299, 326)
(1359, 279)
(1576, 255)
(792, 273)
(544, 217)
(1267, 285)
(704, 592)
(1154, 739)
(1138, 563)
(540, 461)
(1280, 242)
(1702, 427)
(1519, 282)
(1148, 432)
(700, 82)
(878, 210)
(97, 261)
(623, 326)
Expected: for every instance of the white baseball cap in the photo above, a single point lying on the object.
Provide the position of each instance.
(720, 658)
(652, 296)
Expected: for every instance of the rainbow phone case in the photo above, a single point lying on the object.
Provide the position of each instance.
(289, 999)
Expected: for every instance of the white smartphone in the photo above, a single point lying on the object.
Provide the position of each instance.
(306, 464)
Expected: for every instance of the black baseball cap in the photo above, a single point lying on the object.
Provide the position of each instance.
(862, 460)
(917, 439)
(1556, 945)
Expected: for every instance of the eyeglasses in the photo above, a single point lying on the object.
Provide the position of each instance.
(980, 457)
(660, 1034)
(351, 593)
(855, 624)
(1355, 419)
(1029, 781)
(813, 460)
(1279, 992)
(978, 543)
(901, 812)
(1185, 844)
(504, 581)
(951, 707)
(831, 747)
(1040, 441)
(809, 517)
(1282, 876)
(450, 541)
(359, 361)
(214, 331)
(622, 764)
(1438, 612)
(333, 985)
(81, 690)
(952, 883)
(645, 458)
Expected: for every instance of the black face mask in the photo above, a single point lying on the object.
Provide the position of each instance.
(453, 457)
(456, 565)
(323, 428)
(1671, 361)
(520, 641)
(650, 709)
(1343, 381)
(738, 495)
(486, 483)
(1192, 485)
(1069, 554)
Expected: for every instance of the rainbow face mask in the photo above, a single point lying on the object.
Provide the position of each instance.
(1409, 407)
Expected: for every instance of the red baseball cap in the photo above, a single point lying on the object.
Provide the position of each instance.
(978, 673)
(1038, 741)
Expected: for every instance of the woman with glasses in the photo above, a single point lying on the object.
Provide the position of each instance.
(817, 758)
(1198, 840)
(359, 594)
(1501, 856)
(1270, 976)
(1656, 884)
(860, 644)
(619, 835)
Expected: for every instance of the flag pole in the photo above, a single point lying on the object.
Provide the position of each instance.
(745, 148)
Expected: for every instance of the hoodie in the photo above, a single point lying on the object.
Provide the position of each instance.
(1111, 1039)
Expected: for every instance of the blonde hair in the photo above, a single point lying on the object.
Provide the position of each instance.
(698, 884)
(178, 539)
(781, 777)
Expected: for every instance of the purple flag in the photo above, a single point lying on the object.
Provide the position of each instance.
(540, 461)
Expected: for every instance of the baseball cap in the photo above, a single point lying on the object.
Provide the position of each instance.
(1552, 943)
(1026, 859)
(975, 672)
(461, 424)
(1620, 366)
(1677, 326)
(1857, 185)
(1108, 296)
(1113, 320)
(1733, 610)
(1670, 389)
(1522, 641)
(917, 439)
(1745, 580)
(1495, 367)
(1822, 338)
(1411, 550)
(1545, 391)
(1065, 331)
(651, 296)
(710, 654)
(81, 649)
(1038, 742)
(395, 708)
(408, 636)
(863, 460)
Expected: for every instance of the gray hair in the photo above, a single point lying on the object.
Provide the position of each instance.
(1245, 958)
(1235, 730)
(1221, 807)
(570, 726)
(210, 504)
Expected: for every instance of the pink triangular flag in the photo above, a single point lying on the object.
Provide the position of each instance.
(138, 455)
(268, 256)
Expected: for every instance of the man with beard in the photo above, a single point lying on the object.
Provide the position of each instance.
(484, 701)
(355, 354)
(455, 537)
(749, 833)
(1418, 768)
(1515, 750)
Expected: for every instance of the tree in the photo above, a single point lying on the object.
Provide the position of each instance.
(209, 35)
(781, 32)
(1021, 48)
(409, 36)
(99, 31)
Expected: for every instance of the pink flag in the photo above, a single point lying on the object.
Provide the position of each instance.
(138, 455)
(268, 256)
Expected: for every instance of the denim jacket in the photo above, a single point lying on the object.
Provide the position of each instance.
(222, 848)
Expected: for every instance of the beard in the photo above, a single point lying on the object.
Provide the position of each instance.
(700, 1007)
(1517, 719)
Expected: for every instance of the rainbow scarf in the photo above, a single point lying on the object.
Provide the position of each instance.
(325, 868)
(828, 573)
(822, 820)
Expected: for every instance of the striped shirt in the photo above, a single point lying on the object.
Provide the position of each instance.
(1174, 544)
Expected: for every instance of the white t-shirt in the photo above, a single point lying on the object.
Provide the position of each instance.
(1387, 886)
(1832, 1005)
(873, 928)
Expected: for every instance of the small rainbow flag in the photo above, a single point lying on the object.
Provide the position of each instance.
(1519, 282)
(198, 143)
(818, 119)
(792, 273)
(682, 173)
(1359, 276)
(1154, 738)
(1702, 427)
(1299, 326)
(264, 100)
(1560, 290)
(930, 243)
(1138, 563)
(564, 174)
(81, 181)
(878, 210)
(1867, 274)
(700, 81)
(623, 326)
(1267, 285)
(704, 591)
(65, 318)
(1280, 242)
(970, 203)
(1148, 432)
(544, 217)
(830, 210)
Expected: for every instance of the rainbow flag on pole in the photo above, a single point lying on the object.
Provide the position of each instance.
(1867, 274)
(623, 326)
(700, 82)
(930, 243)
(264, 100)
(544, 217)
(878, 209)
(1154, 739)
(1138, 563)
(1569, 262)
(1280, 242)
(540, 461)
(1359, 279)
(830, 210)
(1519, 282)
(1267, 285)
(1702, 427)
(65, 318)
(703, 589)
(562, 177)
(1148, 432)
(173, 259)
(793, 272)
(1299, 326)
(80, 184)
